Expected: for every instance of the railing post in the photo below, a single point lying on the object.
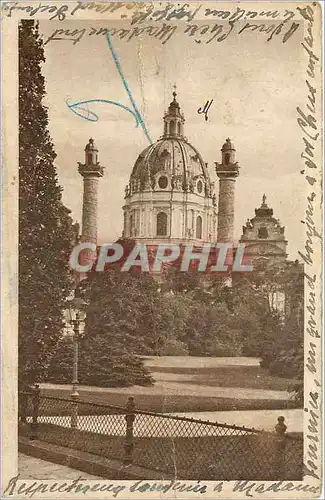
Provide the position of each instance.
(23, 406)
(35, 404)
(75, 382)
(74, 411)
(280, 445)
(129, 417)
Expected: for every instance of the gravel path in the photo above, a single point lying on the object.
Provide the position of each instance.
(169, 388)
(35, 468)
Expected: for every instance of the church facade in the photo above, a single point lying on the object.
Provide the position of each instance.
(170, 197)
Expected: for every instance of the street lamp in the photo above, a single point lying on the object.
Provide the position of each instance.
(76, 315)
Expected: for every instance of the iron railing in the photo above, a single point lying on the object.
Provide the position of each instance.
(184, 447)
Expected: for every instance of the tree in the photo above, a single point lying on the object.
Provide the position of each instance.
(119, 328)
(281, 340)
(170, 319)
(46, 232)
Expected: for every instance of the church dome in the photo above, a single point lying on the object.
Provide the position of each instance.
(169, 196)
(172, 157)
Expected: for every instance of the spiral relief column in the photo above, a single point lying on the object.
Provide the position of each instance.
(227, 171)
(91, 171)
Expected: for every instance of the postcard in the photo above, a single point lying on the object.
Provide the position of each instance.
(161, 250)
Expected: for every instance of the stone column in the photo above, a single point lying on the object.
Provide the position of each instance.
(227, 171)
(226, 209)
(90, 209)
(90, 171)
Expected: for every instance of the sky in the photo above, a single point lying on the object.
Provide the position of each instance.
(255, 86)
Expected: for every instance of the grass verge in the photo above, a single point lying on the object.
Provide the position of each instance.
(245, 377)
(162, 404)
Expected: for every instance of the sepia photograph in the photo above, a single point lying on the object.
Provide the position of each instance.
(168, 249)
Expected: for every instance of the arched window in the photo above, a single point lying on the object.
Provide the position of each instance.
(263, 233)
(199, 187)
(227, 158)
(179, 128)
(172, 127)
(89, 158)
(165, 128)
(161, 224)
(199, 227)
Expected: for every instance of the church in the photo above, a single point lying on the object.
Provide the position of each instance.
(170, 197)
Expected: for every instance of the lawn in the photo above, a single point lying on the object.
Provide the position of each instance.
(189, 371)
(246, 377)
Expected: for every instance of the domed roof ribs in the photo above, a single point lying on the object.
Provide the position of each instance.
(202, 163)
(185, 162)
(173, 154)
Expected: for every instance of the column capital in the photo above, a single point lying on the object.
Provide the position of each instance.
(90, 170)
(227, 171)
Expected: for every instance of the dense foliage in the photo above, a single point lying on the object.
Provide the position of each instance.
(281, 346)
(45, 227)
(133, 314)
(119, 319)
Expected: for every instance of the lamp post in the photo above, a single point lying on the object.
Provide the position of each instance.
(76, 318)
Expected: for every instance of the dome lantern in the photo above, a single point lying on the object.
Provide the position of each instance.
(174, 119)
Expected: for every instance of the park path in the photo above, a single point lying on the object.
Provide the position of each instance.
(171, 388)
(147, 427)
(259, 419)
(197, 361)
(35, 468)
(175, 384)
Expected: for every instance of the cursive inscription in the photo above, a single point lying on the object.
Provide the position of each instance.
(54, 11)
(307, 117)
(76, 486)
(312, 438)
(267, 23)
(307, 121)
(251, 488)
(204, 109)
(213, 25)
(81, 486)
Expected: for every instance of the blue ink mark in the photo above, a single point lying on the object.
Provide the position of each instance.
(90, 115)
(86, 114)
(119, 69)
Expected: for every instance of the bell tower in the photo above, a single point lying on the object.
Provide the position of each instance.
(91, 171)
(227, 171)
(264, 237)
